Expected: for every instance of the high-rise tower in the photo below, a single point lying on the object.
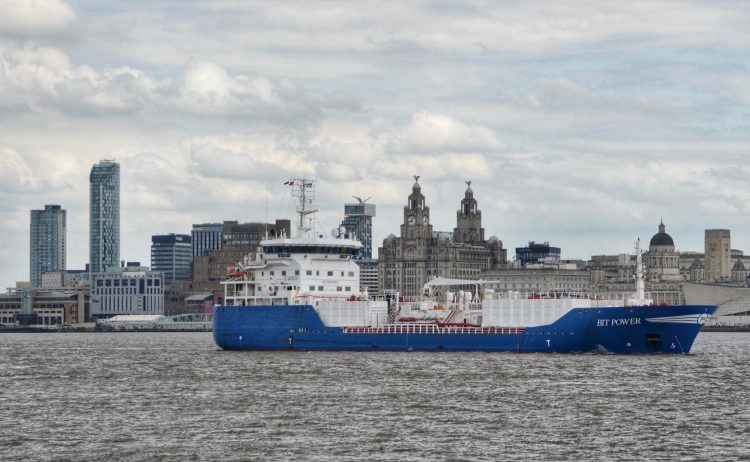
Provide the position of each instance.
(47, 238)
(104, 216)
(358, 221)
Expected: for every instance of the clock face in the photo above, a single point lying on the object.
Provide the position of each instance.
(411, 220)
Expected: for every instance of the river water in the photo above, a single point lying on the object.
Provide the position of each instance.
(174, 396)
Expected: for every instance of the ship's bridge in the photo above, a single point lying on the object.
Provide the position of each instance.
(323, 247)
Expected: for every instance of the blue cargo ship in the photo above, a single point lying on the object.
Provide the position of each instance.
(303, 293)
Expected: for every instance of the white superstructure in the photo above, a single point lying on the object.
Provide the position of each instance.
(304, 269)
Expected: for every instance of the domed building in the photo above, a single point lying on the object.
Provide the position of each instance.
(662, 261)
(739, 273)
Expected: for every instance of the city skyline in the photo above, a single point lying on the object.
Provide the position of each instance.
(580, 131)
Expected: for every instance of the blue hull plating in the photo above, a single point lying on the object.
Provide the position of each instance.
(648, 329)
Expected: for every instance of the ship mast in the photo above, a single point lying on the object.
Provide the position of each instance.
(304, 191)
(640, 291)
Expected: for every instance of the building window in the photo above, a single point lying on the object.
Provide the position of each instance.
(330, 273)
(308, 272)
(312, 288)
(320, 288)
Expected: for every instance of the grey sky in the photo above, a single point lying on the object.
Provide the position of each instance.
(582, 123)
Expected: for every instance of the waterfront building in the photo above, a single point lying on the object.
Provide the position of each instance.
(537, 252)
(662, 261)
(104, 216)
(739, 273)
(42, 306)
(407, 262)
(171, 255)
(67, 279)
(717, 261)
(358, 223)
(368, 276)
(206, 237)
(126, 290)
(544, 280)
(47, 242)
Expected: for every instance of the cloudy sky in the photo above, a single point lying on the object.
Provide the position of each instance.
(582, 123)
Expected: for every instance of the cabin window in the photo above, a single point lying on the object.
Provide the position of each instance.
(308, 272)
(312, 288)
(288, 287)
(317, 273)
(320, 288)
(351, 274)
(271, 273)
(330, 273)
(283, 273)
(348, 289)
(338, 288)
(296, 272)
(342, 274)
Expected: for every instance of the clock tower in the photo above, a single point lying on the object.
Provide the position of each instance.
(416, 215)
(469, 220)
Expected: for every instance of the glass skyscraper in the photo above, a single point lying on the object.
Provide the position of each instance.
(171, 255)
(358, 221)
(47, 239)
(104, 216)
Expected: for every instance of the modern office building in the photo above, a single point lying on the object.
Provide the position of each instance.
(536, 253)
(171, 255)
(718, 256)
(104, 216)
(206, 237)
(368, 276)
(358, 223)
(47, 239)
(126, 290)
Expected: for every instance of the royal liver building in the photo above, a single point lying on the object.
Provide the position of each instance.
(420, 254)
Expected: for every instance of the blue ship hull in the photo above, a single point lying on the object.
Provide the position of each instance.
(647, 329)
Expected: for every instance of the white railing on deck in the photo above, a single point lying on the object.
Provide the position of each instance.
(431, 329)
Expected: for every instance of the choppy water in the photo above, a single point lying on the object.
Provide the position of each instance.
(174, 396)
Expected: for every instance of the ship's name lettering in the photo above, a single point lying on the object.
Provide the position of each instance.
(617, 322)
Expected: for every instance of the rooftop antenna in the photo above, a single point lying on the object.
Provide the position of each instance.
(362, 201)
(416, 178)
(468, 183)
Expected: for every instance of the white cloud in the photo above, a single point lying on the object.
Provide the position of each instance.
(35, 17)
